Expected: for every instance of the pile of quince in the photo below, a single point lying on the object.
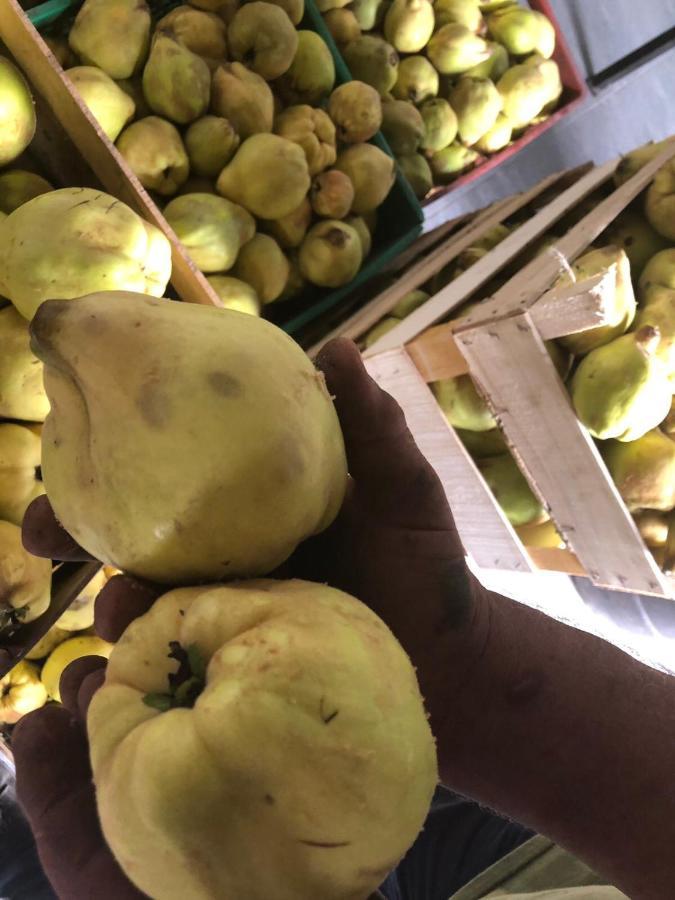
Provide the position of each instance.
(35, 680)
(229, 116)
(621, 376)
(459, 79)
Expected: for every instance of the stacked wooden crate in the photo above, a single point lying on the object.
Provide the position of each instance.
(500, 343)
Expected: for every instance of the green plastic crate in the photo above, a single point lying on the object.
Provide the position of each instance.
(400, 217)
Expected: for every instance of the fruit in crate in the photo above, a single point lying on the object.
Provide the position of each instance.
(290, 230)
(511, 490)
(454, 49)
(522, 31)
(80, 613)
(203, 33)
(369, 13)
(544, 535)
(212, 229)
(464, 12)
(477, 103)
(402, 126)
(48, 642)
(210, 142)
(22, 394)
(644, 470)
(21, 691)
(417, 80)
(332, 194)
(653, 527)
(343, 783)
(109, 104)
(176, 82)
(451, 161)
(659, 271)
(267, 429)
(408, 25)
(418, 172)
(356, 111)
(155, 153)
(462, 405)
(17, 112)
(25, 581)
(294, 9)
(268, 175)
(113, 35)
(331, 254)
(632, 162)
(621, 390)
(343, 26)
(660, 202)
(409, 303)
(263, 264)
(311, 75)
(100, 244)
(262, 35)
(635, 236)
(371, 173)
(623, 300)
(19, 465)
(66, 652)
(526, 89)
(440, 125)
(235, 294)
(18, 187)
(311, 129)
(493, 66)
(373, 60)
(658, 309)
(243, 98)
(377, 331)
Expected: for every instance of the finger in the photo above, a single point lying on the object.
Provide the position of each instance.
(120, 601)
(43, 535)
(73, 677)
(88, 688)
(54, 787)
(382, 455)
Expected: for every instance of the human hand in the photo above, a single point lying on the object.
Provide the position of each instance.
(394, 546)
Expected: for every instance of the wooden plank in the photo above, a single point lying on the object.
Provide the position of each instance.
(428, 240)
(561, 311)
(530, 282)
(47, 78)
(485, 532)
(457, 291)
(513, 368)
(364, 318)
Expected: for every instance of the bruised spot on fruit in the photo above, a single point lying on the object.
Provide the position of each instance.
(225, 384)
(153, 405)
(336, 237)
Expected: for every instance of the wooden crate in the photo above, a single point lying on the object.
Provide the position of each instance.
(500, 344)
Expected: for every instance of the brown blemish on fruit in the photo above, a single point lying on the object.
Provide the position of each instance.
(225, 384)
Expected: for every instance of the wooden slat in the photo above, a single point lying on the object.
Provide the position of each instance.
(47, 77)
(537, 276)
(456, 292)
(565, 310)
(485, 532)
(512, 366)
(357, 324)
